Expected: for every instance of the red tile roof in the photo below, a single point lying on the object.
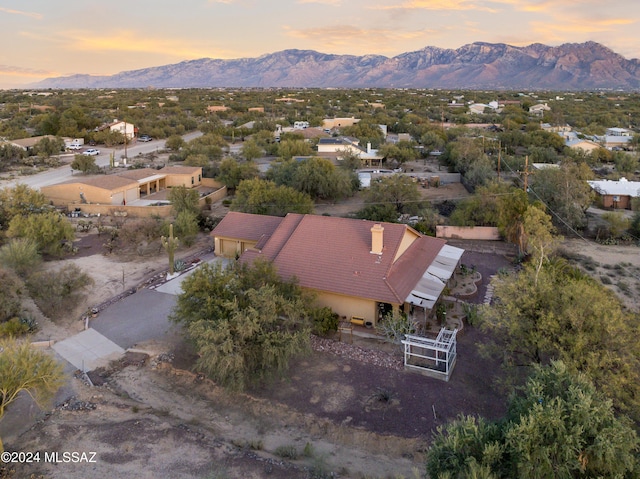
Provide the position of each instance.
(246, 226)
(333, 254)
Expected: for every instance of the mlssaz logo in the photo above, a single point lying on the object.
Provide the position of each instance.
(70, 457)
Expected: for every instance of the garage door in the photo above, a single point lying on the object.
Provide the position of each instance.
(228, 248)
(132, 195)
(116, 198)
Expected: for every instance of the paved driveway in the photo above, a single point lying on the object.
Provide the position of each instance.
(137, 318)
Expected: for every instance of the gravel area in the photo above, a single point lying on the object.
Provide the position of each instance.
(357, 353)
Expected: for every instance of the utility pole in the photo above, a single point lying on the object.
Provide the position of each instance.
(125, 139)
(499, 153)
(526, 173)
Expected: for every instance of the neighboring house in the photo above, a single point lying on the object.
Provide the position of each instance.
(556, 128)
(619, 132)
(616, 194)
(360, 269)
(331, 123)
(617, 141)
(539, 109)
(480, 108)
(342, 146)
(104, 189)
(28, 144)
(216, 108)
(123, 188)
(582, 144)
(126, 129)
(394, 138)
(189, 176)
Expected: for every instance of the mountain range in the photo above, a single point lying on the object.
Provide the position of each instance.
(571, 66)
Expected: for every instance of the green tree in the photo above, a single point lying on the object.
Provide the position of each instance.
(184, 199)
(401, 152)
(50, 231)
(557, 312)
(617, 223)
(85, 164)
(197, 160)
(20, 201)
(319, 178)
(557, 426)
(287, 149)
(175, 142)
(266, 198)
(626, 163)
(24, 369)
(47, 147)
(232, 172)
(251, 150)
(187, 227)
(560, 426)
(565, 193)
(397, 190)
(246, 324)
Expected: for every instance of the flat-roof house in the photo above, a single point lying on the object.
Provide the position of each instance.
(616, 194)
(360, 269)
(104, 189)
(122, 188)
(189, 176)
(582, 144)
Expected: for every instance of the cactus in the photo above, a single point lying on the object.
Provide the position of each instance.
(170, 244)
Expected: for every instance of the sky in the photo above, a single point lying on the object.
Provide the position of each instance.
(52, 38)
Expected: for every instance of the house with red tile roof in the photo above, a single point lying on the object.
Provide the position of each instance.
(360, 269)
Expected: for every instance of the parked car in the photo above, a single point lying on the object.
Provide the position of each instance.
(91, 152)
(75, 146)
(145, 138)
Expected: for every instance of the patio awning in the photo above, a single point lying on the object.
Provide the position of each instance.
(430, 286)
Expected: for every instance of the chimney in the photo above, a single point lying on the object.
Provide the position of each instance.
(376, 238)
(369, 147)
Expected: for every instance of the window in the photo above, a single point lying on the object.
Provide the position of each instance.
(192, 182)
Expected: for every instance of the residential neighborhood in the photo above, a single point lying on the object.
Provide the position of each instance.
(317, 281)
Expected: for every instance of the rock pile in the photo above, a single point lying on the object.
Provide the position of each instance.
(356, 353)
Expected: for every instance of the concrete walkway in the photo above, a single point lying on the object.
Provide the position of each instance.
(88, 350)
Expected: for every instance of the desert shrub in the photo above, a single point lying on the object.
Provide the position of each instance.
(10, 295)
(394, 327)
(57, 292)
(187, 227)
(617, 223)
(21, 256)
(472, 313)
(18, 326)
(287, 452)
(324, 320)
(141, 236)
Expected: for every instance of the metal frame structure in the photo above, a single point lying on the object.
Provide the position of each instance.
(432, 357)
